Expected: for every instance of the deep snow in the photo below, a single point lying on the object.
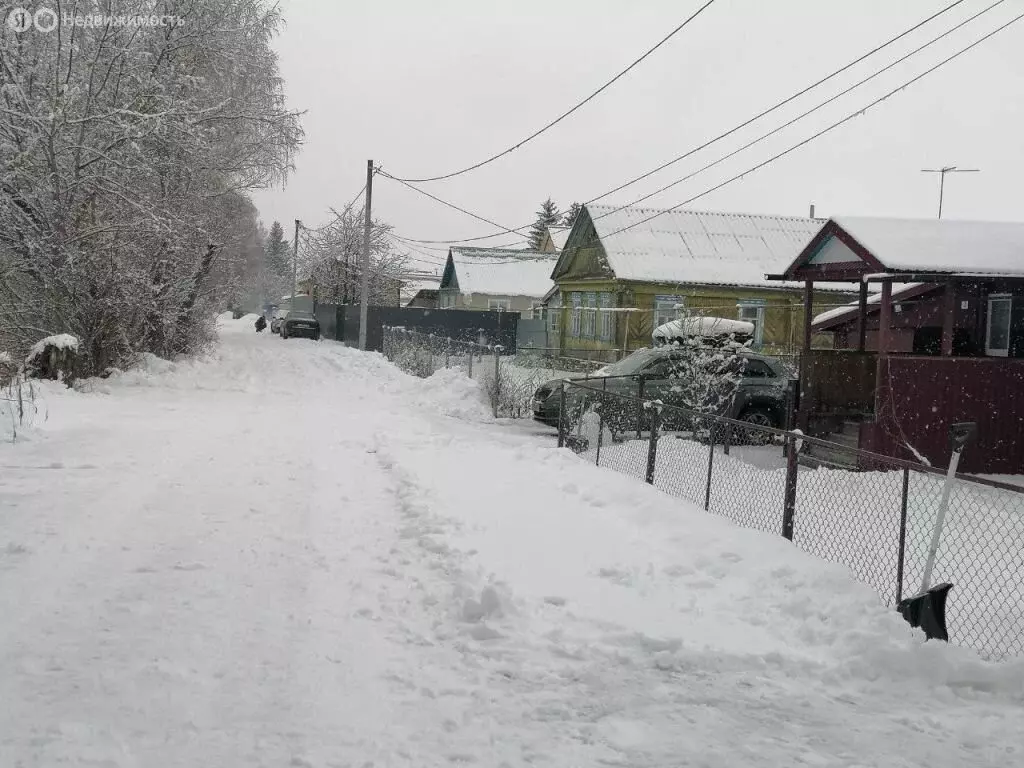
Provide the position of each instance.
(292, 554)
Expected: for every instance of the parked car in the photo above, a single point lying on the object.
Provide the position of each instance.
(276, 318)
(298, 323)
(738, 385)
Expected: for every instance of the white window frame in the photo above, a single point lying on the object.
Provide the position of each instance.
(607, 317)
(994, 299)
(577, 303)
(758, 320)
(665, 309)
(536, 310)
(554, 318)
(499, 305)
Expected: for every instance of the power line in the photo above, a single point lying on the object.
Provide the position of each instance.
(804, 114)
(387, 175)
(782, 103)
(747, 122)
(821, 132)
(565, 114)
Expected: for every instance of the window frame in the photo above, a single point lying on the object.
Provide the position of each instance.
(662, 299)
(590, 315)
(576, 319)
(756, 304)
(994, 298)
(499, 305)
(607, 318)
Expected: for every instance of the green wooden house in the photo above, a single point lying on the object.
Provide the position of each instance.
(625, 271)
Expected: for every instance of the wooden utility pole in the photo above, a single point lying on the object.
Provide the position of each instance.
(365, 276)
(295, 264)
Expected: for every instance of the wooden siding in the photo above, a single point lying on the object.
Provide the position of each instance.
(925, 395)
(836, 384)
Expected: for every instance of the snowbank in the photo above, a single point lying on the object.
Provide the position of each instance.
(450, 392)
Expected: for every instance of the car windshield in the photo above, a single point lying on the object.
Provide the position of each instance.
(300, 316)
(634, 363)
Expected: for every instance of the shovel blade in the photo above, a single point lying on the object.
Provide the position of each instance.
(928, 611)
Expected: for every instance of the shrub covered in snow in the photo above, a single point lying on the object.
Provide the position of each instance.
(55, 357)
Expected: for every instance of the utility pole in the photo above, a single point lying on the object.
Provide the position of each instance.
(942, 178)
(365, 277)
(295, 264)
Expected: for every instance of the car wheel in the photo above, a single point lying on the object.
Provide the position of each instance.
(756, 417)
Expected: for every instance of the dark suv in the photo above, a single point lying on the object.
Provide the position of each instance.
(738, 385)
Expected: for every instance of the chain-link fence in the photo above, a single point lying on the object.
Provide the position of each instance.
(871, 513)
(508, 380)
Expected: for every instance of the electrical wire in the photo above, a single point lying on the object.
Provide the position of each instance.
(747, 122)
(570, 111)
(822, 132)
(801, 116)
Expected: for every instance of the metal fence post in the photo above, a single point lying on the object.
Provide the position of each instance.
(652, 450)
(561, 416)
(497, 378)
(640, 409)
(600, 422)
(789, 505)
(470, 349)
(447, 352)
(901, 555)
(727, 439)
(711, 466)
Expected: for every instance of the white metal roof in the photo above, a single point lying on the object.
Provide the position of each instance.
(941, 245)
(498, 272)
(852, 307)
(681, 246)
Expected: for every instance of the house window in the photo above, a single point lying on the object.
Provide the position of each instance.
(665, 309)
(577, 301)
(536, 311)
(499, 305)
(589, 315)
(607, 317)
(752, 311)
(997, 331)
(554, 318)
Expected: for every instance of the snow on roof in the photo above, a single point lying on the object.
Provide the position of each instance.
(941, 245)
(500, 272)
(851, 308)
(558, 236)
(681, 246)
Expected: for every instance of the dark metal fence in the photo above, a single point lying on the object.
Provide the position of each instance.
(875, 517)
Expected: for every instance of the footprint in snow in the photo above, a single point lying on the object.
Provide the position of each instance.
(189, 567)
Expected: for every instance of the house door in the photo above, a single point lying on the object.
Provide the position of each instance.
(997, 327)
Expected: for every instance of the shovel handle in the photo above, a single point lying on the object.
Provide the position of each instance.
(940, 520)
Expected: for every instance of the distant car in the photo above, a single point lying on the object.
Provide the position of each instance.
(759, 397)
(297, 323)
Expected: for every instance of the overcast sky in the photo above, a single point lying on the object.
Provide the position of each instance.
(425, 88)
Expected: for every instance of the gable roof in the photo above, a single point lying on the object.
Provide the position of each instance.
(701, 247)
(859, 246)
(558, 236)
(499, 272)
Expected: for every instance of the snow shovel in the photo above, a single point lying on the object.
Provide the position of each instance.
(927, 609)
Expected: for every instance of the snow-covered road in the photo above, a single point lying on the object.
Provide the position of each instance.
(291, 554)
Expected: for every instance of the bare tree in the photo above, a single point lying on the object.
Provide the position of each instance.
(126, 153)
(331, 257)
